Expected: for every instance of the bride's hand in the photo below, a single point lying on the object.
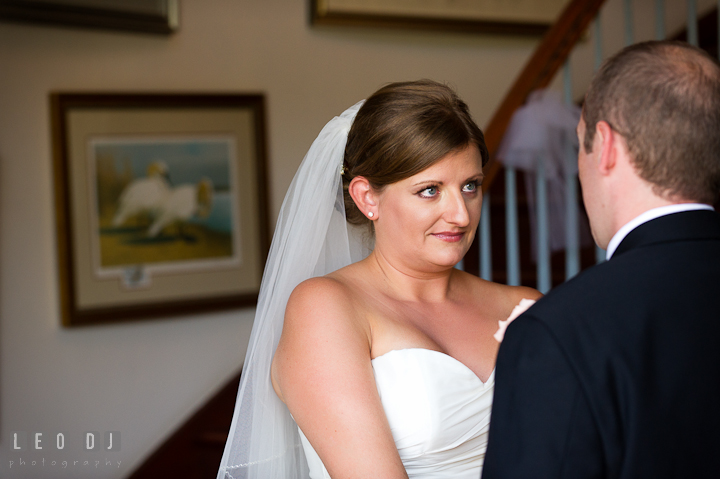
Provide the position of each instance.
(523, 306)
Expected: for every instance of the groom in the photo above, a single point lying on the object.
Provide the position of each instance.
(616, 374)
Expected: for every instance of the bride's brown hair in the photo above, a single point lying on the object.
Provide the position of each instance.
(401, 130)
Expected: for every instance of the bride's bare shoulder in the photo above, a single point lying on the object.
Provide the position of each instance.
(331, 296)
(501, 294)
(323, 289)
(340, 285)
(334, 286)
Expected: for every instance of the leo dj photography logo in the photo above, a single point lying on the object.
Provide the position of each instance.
(28, 449)
(88, 441)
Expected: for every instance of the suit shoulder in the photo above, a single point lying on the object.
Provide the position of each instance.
(566, 305)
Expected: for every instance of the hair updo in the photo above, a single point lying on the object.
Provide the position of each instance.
(401, 130)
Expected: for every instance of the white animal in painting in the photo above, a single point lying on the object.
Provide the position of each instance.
(184, 202)
(144, 195)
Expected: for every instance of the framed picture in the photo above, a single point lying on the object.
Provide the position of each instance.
(527, 17)
(148, 16)
(161, 203)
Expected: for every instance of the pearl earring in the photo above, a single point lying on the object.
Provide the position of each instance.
(371, 214)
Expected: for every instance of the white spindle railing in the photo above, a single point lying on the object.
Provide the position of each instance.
(572, 231)
(543, 228)
(511, 229)
(485, 248)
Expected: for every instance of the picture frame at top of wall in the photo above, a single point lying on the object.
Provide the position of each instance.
(144, 16)
(161, 203)
(519, 17)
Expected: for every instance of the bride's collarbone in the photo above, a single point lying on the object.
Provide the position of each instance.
(461, 327)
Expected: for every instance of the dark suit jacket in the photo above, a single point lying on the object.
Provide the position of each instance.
(616, 373)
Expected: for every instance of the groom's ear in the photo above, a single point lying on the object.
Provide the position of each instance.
(605, 145)
(363, 194)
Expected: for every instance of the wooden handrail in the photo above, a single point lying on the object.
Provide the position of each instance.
(539, 71)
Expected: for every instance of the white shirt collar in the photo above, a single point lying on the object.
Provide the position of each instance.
(647, 216)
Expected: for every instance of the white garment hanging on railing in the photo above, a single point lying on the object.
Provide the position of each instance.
(542, 128)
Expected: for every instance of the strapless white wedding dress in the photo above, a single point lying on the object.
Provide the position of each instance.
(438, 410)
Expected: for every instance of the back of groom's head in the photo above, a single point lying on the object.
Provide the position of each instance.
(664, 99)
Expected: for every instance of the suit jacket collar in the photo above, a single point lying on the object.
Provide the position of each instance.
(688, 225)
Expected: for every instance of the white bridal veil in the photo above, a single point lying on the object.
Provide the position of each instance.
(311, 239)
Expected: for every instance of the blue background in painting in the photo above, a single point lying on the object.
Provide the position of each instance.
(187, 162)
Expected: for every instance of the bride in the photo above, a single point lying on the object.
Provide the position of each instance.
(375, 361)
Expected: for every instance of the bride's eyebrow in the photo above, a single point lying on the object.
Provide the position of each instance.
(478, 177)
(428, 182)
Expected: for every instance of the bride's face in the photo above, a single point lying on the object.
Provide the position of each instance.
(428, 221)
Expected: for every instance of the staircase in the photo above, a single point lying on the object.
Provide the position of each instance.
(528, 276)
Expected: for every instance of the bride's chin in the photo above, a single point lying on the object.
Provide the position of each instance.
(453, 256)
(448, 261)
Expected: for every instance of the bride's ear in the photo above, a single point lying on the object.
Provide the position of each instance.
(364, 196)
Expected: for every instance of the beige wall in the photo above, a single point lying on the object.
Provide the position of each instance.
(144, 378)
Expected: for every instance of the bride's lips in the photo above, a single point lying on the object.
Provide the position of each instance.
(449, 236)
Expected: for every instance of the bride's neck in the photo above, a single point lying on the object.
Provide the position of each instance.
(410, 284)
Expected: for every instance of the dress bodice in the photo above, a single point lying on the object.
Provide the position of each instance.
(438, 411)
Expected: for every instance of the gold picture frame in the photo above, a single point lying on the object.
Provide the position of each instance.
(520, 17)
(161, 203)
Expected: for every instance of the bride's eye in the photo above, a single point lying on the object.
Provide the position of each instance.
(470, 187)
(428, 192)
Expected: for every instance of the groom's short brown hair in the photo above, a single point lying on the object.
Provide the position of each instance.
(664, 99)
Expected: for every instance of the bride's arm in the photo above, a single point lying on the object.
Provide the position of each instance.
(322, 371)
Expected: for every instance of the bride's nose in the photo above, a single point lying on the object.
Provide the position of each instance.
(456, 211)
